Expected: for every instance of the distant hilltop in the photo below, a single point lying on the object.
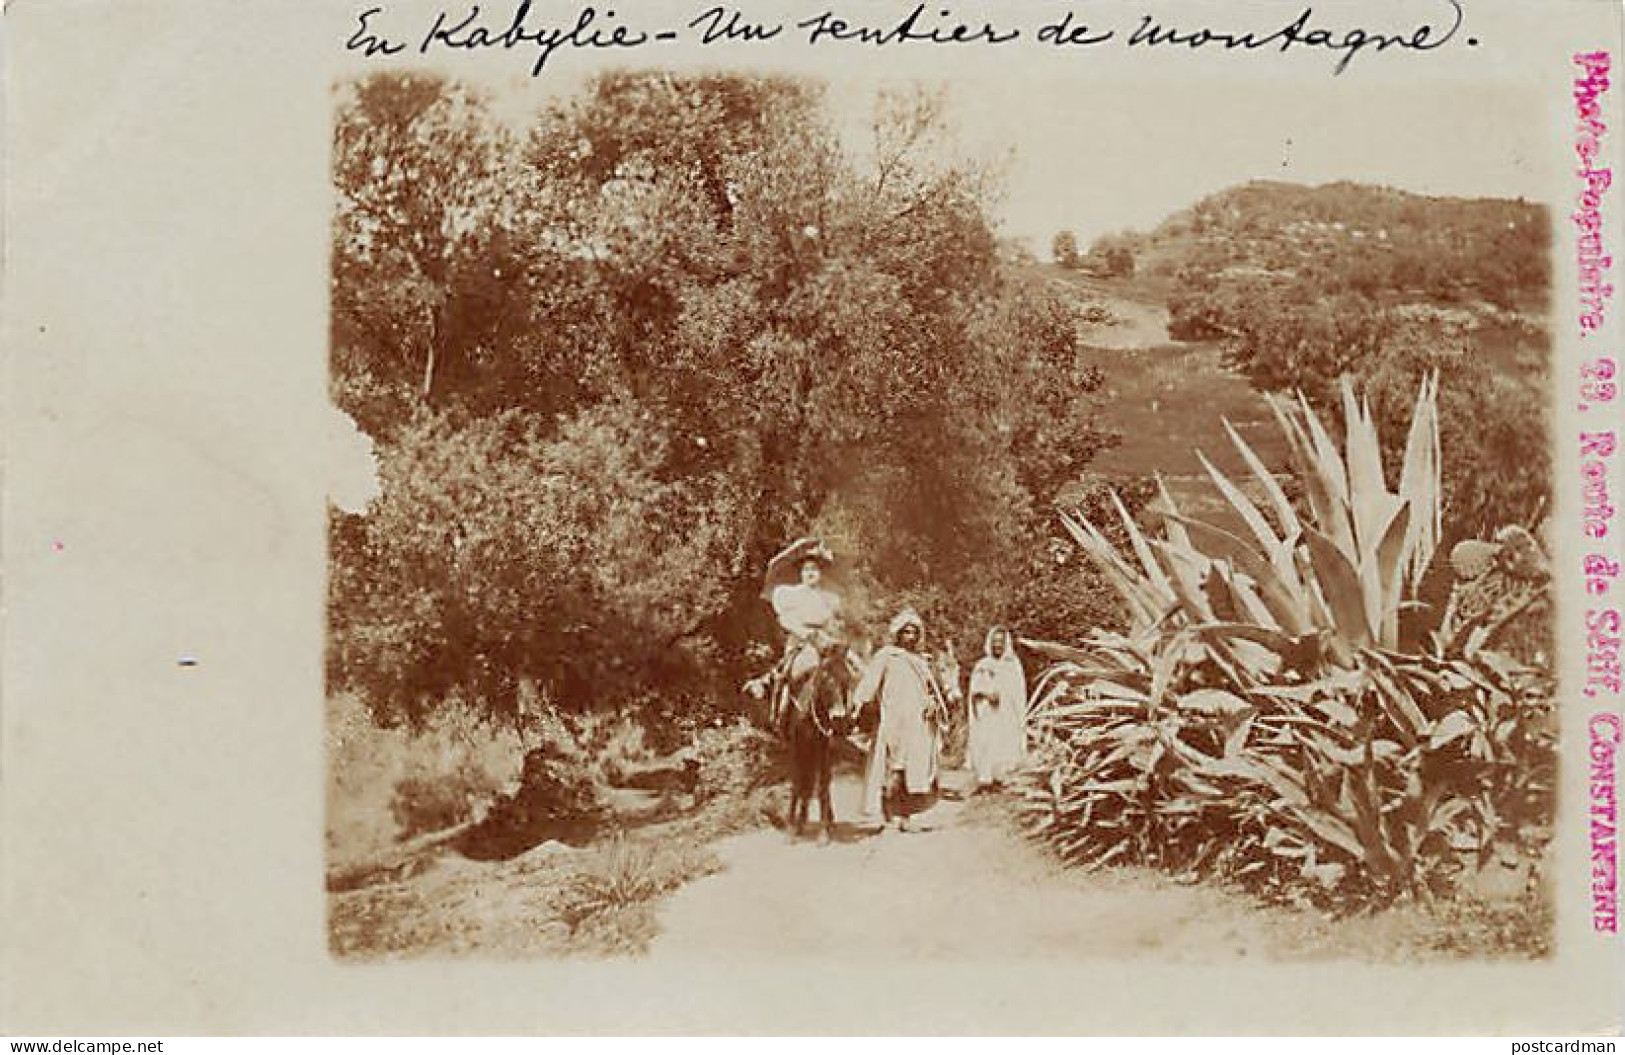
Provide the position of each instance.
(1292, 288)
(1380, 242)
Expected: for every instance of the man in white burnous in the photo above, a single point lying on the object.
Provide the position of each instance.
(902, 768)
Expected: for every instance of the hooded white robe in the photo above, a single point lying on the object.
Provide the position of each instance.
(998, 712)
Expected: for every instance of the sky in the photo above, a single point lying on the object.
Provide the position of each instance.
(1101, 159)
(1102, 156)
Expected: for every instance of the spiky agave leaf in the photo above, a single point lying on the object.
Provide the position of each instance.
(1277, 549)
(1185, 566)
(1388, 565)
(1419, 481)
(1371, 504)
(1325, 500)
(1327, 464)
(1286, 599)
(1142, 596)
(1339, 582)
(1172, 531)
(1285, 515)
(1148, 563)
(1268, 540)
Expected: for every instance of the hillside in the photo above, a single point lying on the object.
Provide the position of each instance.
(1286, 288)
(1346, 237)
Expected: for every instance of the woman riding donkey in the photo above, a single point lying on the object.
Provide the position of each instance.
(810, 685)
(809, 612)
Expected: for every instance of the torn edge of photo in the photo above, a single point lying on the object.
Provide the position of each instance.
(962, 518)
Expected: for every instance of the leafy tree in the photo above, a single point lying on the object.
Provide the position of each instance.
(497, 555)
(1120, 261)
(1112, 255)
(1065, 249)
(676, 326)
(421, 238)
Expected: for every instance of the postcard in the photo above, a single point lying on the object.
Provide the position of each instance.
(823, 518)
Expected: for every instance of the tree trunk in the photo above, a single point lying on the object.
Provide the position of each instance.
(431, 353)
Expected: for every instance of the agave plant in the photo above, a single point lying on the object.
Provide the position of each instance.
(1257, 721)
(1341, 576)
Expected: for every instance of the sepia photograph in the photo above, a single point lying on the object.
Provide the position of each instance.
(1022, 518)
(931, 521)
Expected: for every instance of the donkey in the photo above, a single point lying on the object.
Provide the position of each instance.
(815, 711)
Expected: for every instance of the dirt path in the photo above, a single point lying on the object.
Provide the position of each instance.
(971, 888)
(1135, 323)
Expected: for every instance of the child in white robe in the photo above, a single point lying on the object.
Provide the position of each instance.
(998, 711)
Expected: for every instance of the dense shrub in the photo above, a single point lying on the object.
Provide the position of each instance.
(496, 555)
(733, 758)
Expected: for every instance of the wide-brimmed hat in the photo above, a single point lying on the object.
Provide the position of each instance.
(785, 567)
